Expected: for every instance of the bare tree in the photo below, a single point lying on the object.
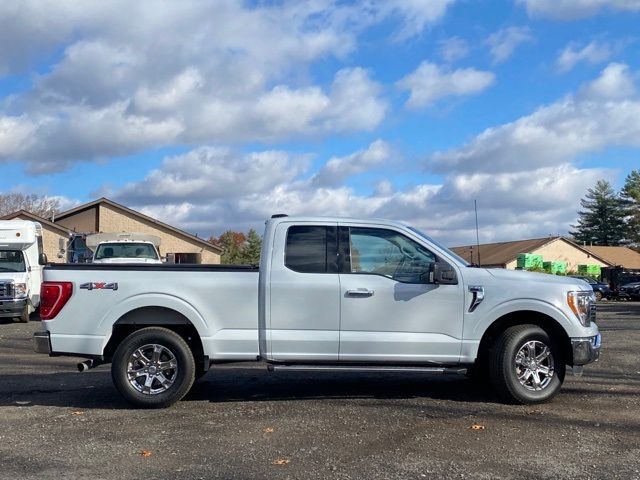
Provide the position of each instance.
(42, 206)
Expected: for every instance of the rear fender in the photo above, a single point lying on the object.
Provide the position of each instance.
(152, 300)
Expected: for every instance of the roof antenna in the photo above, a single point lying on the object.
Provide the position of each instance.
(475, 203)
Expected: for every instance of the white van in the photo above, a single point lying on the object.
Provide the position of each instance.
(21, 260)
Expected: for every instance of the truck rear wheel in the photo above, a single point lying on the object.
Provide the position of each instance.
(526, 366)
(153, 368)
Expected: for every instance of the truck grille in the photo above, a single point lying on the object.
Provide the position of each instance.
(6, 289)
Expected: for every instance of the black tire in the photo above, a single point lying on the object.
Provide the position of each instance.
(182, 377)
(24, 316)
(503, 368)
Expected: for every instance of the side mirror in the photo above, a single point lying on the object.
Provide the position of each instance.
(42, 259)
(444, 274)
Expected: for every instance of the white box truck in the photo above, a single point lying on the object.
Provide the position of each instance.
(21, 260)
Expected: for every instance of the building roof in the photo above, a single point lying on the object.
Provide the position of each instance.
(501, 253)
(36, 218)
(142, 216)
(622, 256)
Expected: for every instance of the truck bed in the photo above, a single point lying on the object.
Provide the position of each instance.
(221, 301)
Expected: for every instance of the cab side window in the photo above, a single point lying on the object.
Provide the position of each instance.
(389, 253)
(311, 249)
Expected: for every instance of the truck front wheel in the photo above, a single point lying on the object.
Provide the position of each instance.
(526, 366)
(153, 368)
(24, 316)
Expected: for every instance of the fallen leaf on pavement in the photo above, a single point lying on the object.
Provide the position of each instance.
(281, 461)
(268, 430)
(477, 426)
(77, 412)
(145, 453)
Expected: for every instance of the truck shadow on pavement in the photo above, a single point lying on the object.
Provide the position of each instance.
(95, 390)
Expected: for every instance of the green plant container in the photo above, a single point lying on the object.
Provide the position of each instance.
(594, 270)
(555, 268)
(590, 270)
(528, 261)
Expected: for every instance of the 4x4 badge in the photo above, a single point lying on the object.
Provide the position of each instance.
(99, 286)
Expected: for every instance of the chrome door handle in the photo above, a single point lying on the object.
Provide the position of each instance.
(360, 292)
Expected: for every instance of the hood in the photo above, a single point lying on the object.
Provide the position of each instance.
(128, 260)
(523, 275)
(17, 277)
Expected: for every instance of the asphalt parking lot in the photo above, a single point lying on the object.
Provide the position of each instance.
(243, 423)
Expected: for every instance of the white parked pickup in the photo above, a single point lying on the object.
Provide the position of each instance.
(329, 294)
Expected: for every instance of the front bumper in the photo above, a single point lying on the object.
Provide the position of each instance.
(586, 350)
(42, 342)
(12, 308)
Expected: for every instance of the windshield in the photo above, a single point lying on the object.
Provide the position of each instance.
(439, 245)
(12, 261)
(125, 250)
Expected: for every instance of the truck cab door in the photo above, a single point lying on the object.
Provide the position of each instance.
(390, 310)
(303, 300)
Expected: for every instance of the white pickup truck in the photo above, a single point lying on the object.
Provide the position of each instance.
(124, 248)
(329, 294)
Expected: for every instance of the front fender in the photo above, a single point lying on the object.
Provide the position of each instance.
(530, 305)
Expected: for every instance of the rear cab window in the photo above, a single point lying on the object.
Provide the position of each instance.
(311, 249)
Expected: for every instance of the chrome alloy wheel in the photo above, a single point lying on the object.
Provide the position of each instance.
(534, 365)
(152, 369)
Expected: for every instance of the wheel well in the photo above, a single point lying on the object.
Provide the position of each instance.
(547, 323)
(155, 317)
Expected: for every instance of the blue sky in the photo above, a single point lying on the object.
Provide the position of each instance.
(213, 115)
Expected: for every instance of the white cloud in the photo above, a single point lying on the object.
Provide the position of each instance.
(209, 190)
(417, 14)
(592, 53)
(504, 42)
(182, 113)
(453, 48)
(338, 169)
(575, 9)
(214, 173)
(430, 82)
(138, 75)
(604, 113)
(614, 83)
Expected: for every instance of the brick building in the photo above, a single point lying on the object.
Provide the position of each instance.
(106, 216)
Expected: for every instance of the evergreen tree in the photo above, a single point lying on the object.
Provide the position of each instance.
(602, 218)
(630, 198)
(251, 251)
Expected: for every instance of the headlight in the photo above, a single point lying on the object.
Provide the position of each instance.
(20, 290)
(580, 303)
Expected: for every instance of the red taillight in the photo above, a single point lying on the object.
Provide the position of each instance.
(53, 296)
